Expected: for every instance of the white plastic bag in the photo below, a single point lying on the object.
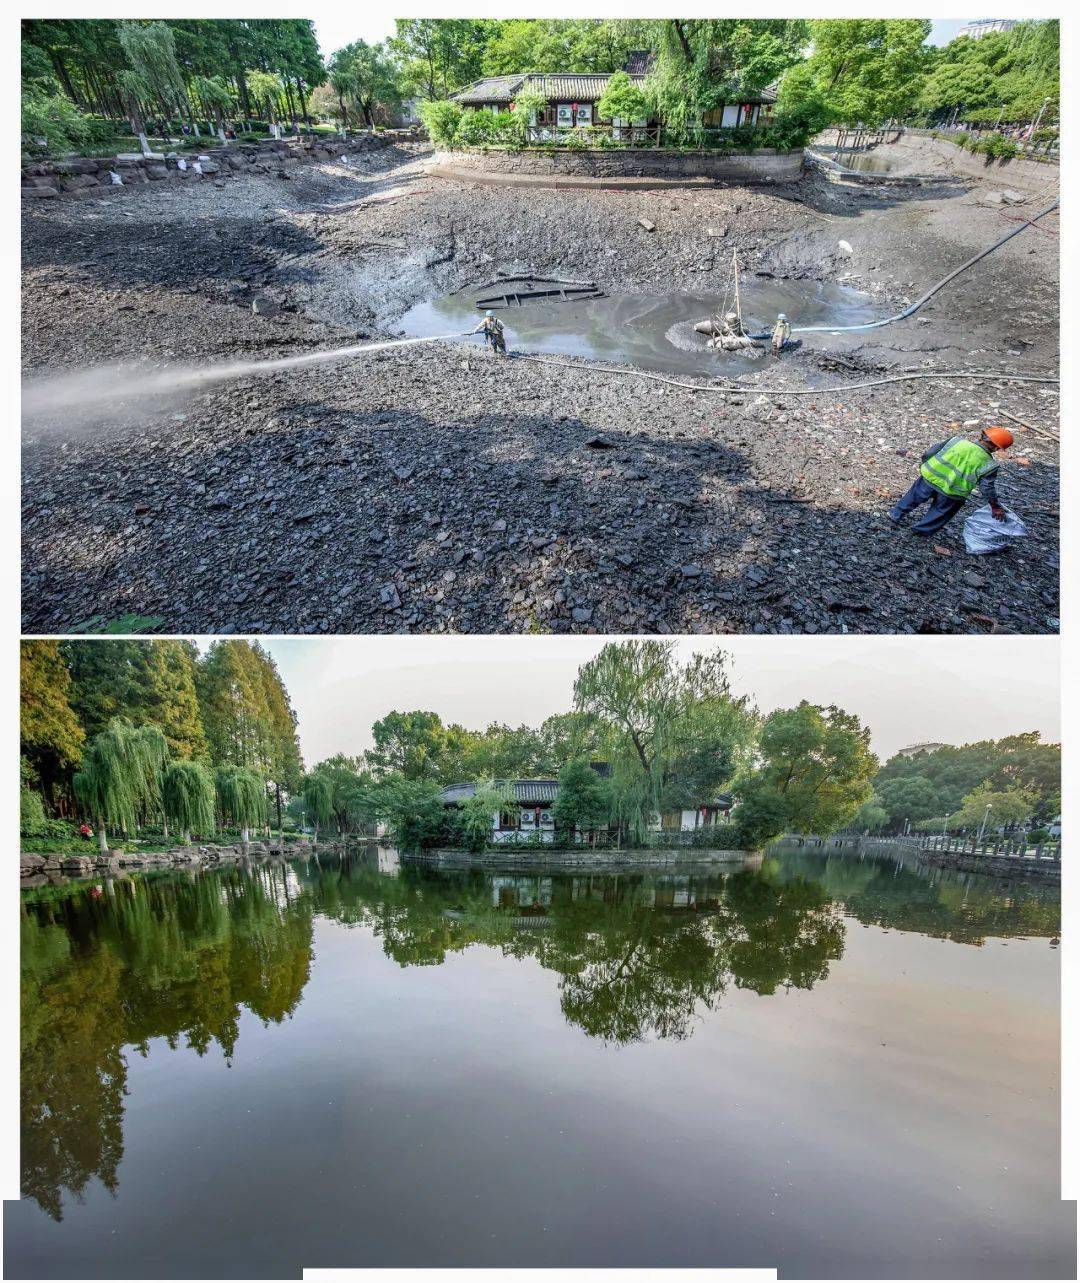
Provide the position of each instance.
(984, 533)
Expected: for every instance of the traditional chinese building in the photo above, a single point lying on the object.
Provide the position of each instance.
(573, 96)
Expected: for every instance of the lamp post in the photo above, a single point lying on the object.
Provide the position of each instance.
(982, 826)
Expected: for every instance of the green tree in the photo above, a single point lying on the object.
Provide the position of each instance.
(814, 772)
(365, 76)
(318, 795)
(438, 55)
(988, 808)
(50, 735)
(241, 797)
(704, 62)
(866, 70)
(413, 811)
(187, 797)
(623, 100)
(584, 801)
(266, 89)
(471, 820)
(120, 777)
(663, 719)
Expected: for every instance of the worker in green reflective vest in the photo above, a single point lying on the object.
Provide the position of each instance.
(950, 471)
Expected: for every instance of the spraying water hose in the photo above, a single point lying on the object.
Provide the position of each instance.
(914, 307)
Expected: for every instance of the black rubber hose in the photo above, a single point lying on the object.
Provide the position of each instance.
(914, 307)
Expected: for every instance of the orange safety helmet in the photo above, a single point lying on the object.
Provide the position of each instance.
(1001, 437)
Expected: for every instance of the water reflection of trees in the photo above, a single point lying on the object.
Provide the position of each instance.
(963, 907)
(106, 970)
(637, 958)
(110, 968)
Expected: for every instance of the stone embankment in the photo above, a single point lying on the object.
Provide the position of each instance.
(765, 165)
(541, 859)
(35, 870)
(83, 176)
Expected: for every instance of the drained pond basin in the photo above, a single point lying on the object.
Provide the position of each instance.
(652, 331)
(834, 1066)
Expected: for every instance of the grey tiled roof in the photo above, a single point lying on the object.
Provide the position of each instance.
(565, 87)
(541, 792)
(491, 89)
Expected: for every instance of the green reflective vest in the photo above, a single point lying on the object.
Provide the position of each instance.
(957, 467)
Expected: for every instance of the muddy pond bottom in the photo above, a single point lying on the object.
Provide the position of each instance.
(652, 331)
(830, 1065)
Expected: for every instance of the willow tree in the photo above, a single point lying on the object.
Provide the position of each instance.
(216, 97)
(677, 733)
(241, 796)
(187, 795)
(318, 794)
(266, 88)
(135, 92)
(120, 777)
(150, 48)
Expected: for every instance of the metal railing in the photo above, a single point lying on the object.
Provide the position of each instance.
(623, 135)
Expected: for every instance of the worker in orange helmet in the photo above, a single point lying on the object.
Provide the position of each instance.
(950, 471)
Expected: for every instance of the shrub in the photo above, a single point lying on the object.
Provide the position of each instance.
(477, 128)
(52, 124)
(442, 120)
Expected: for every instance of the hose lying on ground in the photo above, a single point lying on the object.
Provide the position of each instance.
(749, 389)
(914, 307)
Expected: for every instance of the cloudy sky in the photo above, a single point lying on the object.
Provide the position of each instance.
(337, 27)
(951, 689)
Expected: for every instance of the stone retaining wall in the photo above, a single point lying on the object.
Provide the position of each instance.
(35, 870)
(81, 176)
(997, 866)
(538, 860)
(765, 165)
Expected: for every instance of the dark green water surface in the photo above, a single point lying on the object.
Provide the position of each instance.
(831, 1066)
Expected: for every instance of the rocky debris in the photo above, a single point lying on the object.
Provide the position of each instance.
(413, 490)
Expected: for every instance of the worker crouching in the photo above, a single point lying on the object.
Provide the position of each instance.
(950, 471)
(493, 333)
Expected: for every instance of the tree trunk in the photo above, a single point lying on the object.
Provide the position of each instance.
(102, 841)
(187, 837)
(245, 835)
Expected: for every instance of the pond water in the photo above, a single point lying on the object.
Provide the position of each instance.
(653, 331)
(833, 1066)
(867, 162)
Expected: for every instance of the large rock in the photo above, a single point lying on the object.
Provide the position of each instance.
(77, 181)
(30, 863)
(156, 172)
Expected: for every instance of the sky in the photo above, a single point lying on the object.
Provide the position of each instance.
(335, 28)
(907, 689)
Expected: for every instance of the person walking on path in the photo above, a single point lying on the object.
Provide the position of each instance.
(493, 332)
(950, 471)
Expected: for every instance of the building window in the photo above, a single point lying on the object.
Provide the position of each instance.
(509, 820)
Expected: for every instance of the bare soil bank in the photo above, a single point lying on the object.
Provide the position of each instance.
(436, 489)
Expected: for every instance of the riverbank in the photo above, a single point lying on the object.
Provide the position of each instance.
(1025, 864)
